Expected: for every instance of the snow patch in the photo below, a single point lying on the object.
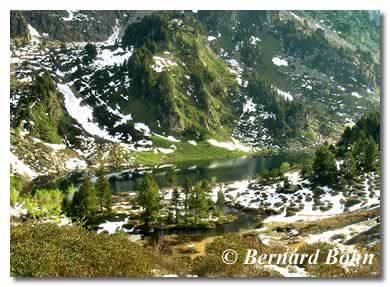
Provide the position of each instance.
(141, 127)
(356, 95)
(287, 96)
(108, 57)
(279, 62)
(35, 36)
(211, 38)
(113, 226)
(253, 40)
(233, 145)
(161, 64)
(82, 114)
(20, 167)
(75, 163)
(70, 15)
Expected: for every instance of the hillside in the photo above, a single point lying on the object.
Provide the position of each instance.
(93, 88)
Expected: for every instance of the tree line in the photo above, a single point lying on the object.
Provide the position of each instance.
(358, 151)
(189, 204)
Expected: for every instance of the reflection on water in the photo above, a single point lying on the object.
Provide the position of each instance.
(218, 170)
(244, 221)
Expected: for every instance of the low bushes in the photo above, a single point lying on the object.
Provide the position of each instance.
(46, 250)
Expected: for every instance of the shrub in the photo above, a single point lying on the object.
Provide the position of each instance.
(211, 264)
(352, 201)
(321, 269)
(46, 250)
(45, 202)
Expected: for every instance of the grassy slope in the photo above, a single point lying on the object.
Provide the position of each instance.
(185, 152)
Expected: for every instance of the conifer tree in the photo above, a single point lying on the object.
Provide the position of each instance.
(372, 155)
(187, 187)
(149, 198)
(175, 204)
(171, 177)
(348, 168)
(220, 201)
(324, 166)
(103, 193)
(84, 201)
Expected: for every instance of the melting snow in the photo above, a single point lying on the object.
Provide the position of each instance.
(233, 145)
(160, 64)
(107, 57)
(20, 167)
(165, 150)
(141, 127)
(112, 226)
(70, 16)
(279, 62)
(83, 114)
(253, 40)
(249, 106)
(356, 95)
(75, 163)
(18, 210)
(169, 138)
(285, 95)
(35, 36)
(211, 38)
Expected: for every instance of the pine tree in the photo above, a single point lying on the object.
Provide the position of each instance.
(187, 187)
(84, 202)
(198, 203)
(348, 168)
(149, 198)
(91, 51)
(68, 198)
(202, 204)
(175, 203)
(103, 193)
(220, 201)
(171, 177)
(284, 167)
(324, 166)
(205, 184)
(359, 150)
(307, 169)
(372, 155)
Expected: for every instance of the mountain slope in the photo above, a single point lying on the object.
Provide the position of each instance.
(151, 86)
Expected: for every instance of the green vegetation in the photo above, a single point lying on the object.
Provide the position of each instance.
(211, 264)
(46, 250)
(184, 152)
(324, 166)
(180, 81)
(84, 201)
(103, 193)
(290, 115)
(44, 108)
(348, 168)
(149, 198)
(357, 149)
(91, 53)
(193, 97)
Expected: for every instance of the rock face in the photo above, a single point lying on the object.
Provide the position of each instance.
(72, 25)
